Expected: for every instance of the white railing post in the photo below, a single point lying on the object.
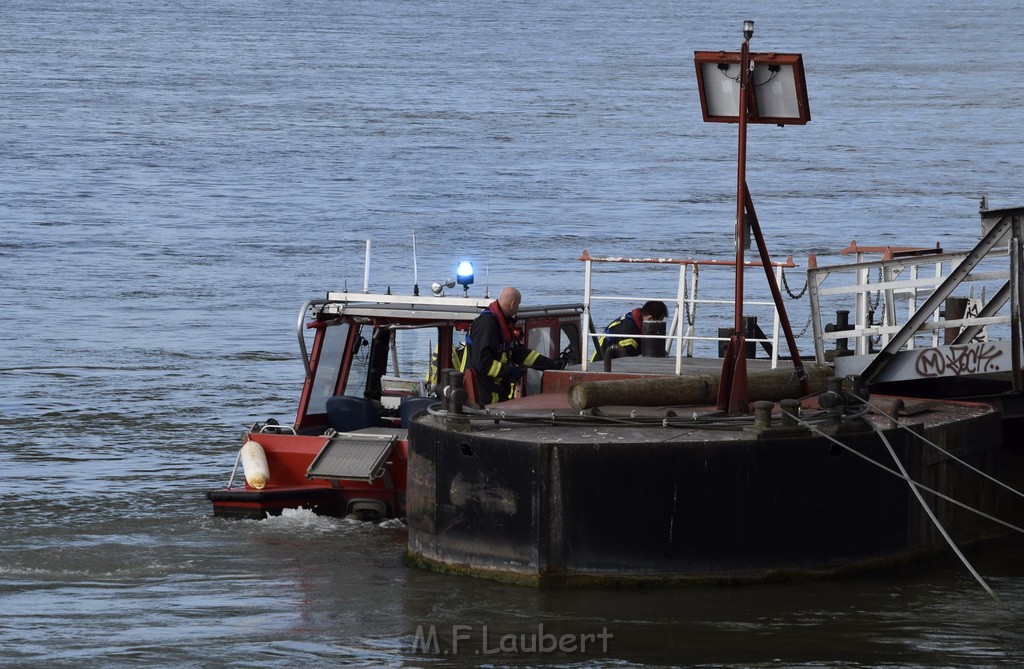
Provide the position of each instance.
(677, 320)
(776, 322)
(860, 319)
(937, 314)
(586, 316)
(691, 310)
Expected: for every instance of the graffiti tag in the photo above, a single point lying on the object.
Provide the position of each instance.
(958, 360)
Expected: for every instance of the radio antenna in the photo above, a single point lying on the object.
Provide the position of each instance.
(415, 270)
(366, 269)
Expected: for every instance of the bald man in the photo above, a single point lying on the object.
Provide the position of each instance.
(499, 359)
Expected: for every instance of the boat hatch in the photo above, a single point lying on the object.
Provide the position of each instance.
(353, 456)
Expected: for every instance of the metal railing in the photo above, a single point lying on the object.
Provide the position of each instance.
(887, 293)
(681, 337)
(901, 302)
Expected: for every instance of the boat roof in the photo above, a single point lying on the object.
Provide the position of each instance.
(427, 308)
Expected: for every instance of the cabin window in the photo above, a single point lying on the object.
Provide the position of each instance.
(540, 339)
(395, 364)
(415, 348)
(569, 344)
(328, 366)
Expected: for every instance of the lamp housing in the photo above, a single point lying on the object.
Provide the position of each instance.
(464, 273)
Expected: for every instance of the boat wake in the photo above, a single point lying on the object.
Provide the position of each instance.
(305, 520)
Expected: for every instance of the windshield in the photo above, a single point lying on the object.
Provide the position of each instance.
(385, 361)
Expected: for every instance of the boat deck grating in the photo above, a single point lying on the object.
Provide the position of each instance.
(352, 457)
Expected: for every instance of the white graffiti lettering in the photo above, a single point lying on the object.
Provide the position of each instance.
(958, 360)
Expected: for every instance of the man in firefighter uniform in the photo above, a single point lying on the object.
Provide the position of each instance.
(494, 353)
(622, 331)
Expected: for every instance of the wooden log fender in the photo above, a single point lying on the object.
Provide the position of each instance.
(697, 388)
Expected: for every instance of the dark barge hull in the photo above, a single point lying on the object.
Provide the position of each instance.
(557, 506)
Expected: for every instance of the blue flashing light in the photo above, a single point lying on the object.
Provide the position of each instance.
(464, 273)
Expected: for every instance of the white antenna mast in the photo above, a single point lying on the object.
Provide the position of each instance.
(415, 270)
(366, 270)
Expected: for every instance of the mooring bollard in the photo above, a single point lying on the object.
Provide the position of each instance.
(653, 348)
(790, 412)
(763, 414)
(456, 391)
(842, 345)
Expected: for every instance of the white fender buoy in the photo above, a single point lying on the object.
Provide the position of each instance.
(254, 464)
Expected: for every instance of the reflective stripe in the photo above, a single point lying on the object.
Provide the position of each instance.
(495, 369)
(530, 358)
(602, 344)
(460, 354)
(628, 342)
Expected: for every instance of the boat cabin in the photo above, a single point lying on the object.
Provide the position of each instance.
(372, 361)
(385, 352)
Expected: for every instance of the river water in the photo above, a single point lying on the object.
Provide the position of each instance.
(178, 177)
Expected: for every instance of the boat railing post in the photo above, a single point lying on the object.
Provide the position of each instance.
(1016, 302)
(776, 322)
(691, 312)
(586, 318)
(677, 319)
(815, 277)
(889, 308)
(861, 318)
(912, 295)
(937, 314)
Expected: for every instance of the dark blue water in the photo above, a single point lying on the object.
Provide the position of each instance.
(178, 177)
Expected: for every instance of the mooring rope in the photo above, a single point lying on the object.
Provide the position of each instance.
(945, 452)
(906, 478)
(916, 487)
(935, 520)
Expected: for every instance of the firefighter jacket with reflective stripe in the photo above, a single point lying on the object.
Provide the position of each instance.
(620, 332)
(499, 360)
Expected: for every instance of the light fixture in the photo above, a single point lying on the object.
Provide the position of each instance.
(464, 275)
(748, 30)
(438, 286)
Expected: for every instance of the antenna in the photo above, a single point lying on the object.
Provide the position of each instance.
(415, 270)
(366, 269)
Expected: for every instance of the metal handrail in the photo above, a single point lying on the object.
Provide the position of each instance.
(897, 297)
(685, 302)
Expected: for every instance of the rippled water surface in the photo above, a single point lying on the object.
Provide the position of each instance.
(178, 177)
